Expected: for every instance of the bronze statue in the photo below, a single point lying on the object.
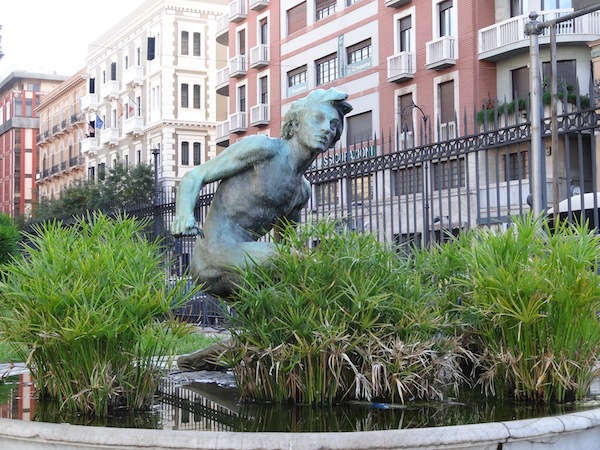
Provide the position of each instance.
(261, 183)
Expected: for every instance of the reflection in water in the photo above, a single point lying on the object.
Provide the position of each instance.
(211, 406)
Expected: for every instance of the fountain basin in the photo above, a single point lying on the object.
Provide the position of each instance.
(577, 431)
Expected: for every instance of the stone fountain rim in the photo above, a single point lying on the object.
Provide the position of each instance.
(33, 435)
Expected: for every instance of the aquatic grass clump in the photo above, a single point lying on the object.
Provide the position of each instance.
(532, 298)
(89, 310)
(344, 318)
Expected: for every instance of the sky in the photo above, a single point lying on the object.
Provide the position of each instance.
(52, 36)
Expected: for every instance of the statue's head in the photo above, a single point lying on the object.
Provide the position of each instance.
(315, 100)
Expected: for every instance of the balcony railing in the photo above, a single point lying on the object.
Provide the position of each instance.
(401, 67)
(237, 10)
(223, 133)
(440, 53)
(111, 89)
(257, 5)
(259, 56)
(509, 35)
(238, 122)
(259, 115)
(109, 136)
(89, 102)
(89, 146)
(223, 81)
(133, 76)
(133, 125)
(237, 66)
(223, 29)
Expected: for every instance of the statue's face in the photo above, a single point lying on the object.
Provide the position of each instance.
(318, 127)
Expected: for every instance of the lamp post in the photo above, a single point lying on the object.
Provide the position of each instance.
(423, 135)
(156, 203)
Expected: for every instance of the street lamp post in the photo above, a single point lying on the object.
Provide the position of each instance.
(423, 135)
(156, 203)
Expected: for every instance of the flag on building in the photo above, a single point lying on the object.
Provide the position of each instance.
(99, 122)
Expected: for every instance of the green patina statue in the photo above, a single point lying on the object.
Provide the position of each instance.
(262, 182)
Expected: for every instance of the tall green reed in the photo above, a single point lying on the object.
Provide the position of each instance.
(532, 298)
(342, 319)
(90, 310)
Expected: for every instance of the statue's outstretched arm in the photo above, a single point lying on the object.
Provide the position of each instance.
(233, 160)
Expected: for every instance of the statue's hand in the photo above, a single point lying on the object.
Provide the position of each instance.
(186, 226)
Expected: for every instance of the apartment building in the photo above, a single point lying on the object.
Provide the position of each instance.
(417, 72)
(62, 129)
(21, 93)
(151, 89)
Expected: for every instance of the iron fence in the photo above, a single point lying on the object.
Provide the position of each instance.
(406, 190)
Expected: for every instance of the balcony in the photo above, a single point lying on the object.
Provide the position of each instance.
(222, 137)
(133, 76)
(237, 11)
(259, 115)
(237, 66)
(133, 125)
(76, 118)
(257, 5)
(110, 90)
(58, 130)
(223, 81)
(222, 34)
(89, 146)
(109, 136)
(509, 35)
(401, 67)
(89, 102)
(238, 122)
(440, 53)
(396, 3)
(447, 131)
(259, 56)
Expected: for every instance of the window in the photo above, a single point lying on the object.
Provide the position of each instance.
(359, 52)
(101, 171)
(445, 17)
(518, 7)
(139, 105)
(327, 69)
(404, 34)
(103, 76)
(263, 90)
(446, 93)
(361, 189)
(297, 76)
(185, 43)
(196, 96)
(516, 165)
(241, 42)
(126, 62)
(197, 154)
(448, 174)
(242, 99)
(138, 56)
(405, 114)
(566, 72)
(184, 96)
(520, 83)
(296, 81)
(92, 86)
(407, 181)
(359, 128)
(18, 107)
(324, 8)
(113, 71)
(296, 18)
(327, 193)
(196, 44)
(264, 32)
(556, 4)
(185, 153)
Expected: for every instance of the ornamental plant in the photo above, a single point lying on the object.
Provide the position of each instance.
(89, 310)
(341, 318)
(532, 298)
